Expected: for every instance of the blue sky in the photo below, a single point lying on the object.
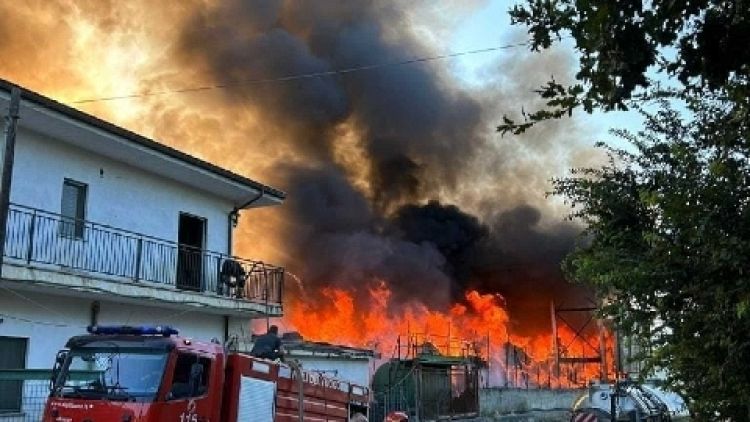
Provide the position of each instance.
(489, 25)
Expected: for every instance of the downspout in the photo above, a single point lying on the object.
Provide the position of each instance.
(233, 218)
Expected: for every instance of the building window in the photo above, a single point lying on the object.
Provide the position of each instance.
(13, 356)
(73, 209)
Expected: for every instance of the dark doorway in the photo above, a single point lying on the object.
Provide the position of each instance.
(190, 237)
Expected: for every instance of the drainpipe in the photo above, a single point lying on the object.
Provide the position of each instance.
(234, 216)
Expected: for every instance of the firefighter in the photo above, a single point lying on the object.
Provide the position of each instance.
(268, 346)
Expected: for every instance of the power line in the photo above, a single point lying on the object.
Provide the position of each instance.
(38, 322)
(168, 317)
(33, 302)
(303, 75)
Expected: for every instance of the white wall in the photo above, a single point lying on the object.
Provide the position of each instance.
(51, 320)
(357, 371)
(47, 326)
(119, 195)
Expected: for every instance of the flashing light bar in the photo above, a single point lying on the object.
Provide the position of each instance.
(144, 330)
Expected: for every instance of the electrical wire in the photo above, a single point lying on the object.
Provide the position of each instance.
(302, 76)
(38, 322)
(168, 317)
(48, 309)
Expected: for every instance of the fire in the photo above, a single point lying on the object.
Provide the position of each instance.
(74, 51)
(480, 326)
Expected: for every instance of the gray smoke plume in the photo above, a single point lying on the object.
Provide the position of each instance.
(419, 135)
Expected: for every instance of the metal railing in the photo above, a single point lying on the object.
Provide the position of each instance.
(42, 238)
(415, 344)
(24, 394)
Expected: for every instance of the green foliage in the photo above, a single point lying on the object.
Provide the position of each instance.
(701, 43)
(667, 243)
(667, 246)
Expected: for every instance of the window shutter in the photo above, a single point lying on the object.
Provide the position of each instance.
(73, 209)
(13, 356)
(70, 200)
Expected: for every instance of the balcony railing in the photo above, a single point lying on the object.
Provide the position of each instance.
(38, 237)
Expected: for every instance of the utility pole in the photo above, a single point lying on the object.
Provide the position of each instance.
(7, 165)
(555, 346)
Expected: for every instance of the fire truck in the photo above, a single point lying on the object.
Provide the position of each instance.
(150, 374)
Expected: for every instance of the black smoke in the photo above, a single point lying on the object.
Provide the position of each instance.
(419, 136)
(418, 133)
(510, 254)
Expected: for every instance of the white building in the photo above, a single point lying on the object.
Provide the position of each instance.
(353, 364)
(108, 227)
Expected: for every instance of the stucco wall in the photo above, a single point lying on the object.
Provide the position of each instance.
(118, 194)
(51, 320)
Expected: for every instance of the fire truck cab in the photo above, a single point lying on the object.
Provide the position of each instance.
(149, 374)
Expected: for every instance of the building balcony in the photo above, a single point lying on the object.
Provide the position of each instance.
(48, 251)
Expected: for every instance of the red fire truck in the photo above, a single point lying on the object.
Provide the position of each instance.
(149, 374)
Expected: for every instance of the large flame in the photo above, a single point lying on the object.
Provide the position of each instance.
(480, 327)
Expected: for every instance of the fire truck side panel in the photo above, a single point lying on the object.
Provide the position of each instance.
(323, 398)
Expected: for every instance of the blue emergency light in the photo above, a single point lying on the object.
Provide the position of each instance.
(143, 330)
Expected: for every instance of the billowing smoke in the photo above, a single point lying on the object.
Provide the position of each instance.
(394, 175)
(411, 127)
(416, 136)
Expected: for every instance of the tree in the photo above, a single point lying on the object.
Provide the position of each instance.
(668, 247)
(667, 235)
(701, 44)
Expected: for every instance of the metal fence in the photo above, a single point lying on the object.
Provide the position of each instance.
(43, 238)
(29, 395)
(428, 391)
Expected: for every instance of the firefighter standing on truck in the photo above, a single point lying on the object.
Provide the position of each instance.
(268, 346)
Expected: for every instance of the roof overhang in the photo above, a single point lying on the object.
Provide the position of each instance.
(331, 351)
(49, 117)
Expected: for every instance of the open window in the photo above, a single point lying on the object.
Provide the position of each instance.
(190, 377)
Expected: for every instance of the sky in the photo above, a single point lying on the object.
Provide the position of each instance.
(489, 25)
(372, 160)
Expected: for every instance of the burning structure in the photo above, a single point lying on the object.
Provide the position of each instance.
(480, 321)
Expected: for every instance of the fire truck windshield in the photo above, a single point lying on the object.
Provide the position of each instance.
(124, 374)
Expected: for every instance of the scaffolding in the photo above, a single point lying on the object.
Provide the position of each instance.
(564, 359)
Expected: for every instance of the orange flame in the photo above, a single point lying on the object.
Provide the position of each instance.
(478, 327)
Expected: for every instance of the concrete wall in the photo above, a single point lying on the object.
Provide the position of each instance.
(119, 195)
(501, 401)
